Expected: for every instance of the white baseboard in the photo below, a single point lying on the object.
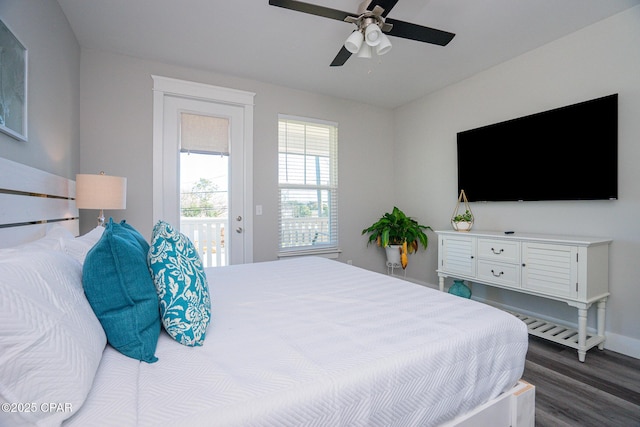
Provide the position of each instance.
(622, 344)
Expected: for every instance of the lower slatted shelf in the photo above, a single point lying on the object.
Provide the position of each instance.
(556, 333)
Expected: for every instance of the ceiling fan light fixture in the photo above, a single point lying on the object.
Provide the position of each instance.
(372, 34)
(384, 46)
(365, 51)
(354, 41)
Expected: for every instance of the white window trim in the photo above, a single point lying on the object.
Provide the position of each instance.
(331, 253)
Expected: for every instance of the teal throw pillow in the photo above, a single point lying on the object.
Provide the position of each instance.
(117, 283)
(176, 268)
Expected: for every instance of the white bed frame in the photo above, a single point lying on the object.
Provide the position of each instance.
(515, 408)
(31, 200)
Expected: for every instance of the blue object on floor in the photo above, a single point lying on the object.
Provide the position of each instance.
(460, 289)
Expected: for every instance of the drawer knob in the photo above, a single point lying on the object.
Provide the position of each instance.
(497, 275)
(498, 252)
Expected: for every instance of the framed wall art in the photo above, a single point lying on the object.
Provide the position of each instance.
(13, 85)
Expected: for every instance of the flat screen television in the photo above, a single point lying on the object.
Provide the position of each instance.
(568, 153)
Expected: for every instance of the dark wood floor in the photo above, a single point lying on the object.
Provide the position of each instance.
(603, 391)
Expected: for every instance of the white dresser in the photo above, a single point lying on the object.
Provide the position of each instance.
(565, 268)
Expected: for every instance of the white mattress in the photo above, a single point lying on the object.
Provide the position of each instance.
(315, 342)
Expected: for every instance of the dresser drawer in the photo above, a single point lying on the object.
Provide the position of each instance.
(499, 272)
(499, 250)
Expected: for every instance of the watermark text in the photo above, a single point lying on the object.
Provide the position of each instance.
(48, 407)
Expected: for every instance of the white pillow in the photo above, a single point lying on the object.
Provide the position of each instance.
(51, 342)
(55, 239)
(57, 230)
(79, 246)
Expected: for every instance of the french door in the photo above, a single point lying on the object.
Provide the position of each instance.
(231, 242)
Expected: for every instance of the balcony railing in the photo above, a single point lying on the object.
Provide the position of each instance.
(208, 235)
(305, 231)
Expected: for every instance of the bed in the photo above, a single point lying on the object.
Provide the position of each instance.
(302, 342)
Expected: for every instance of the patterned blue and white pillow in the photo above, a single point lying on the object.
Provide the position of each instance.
(183, 292)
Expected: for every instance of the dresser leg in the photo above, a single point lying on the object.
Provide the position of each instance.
(582, 333)
(441, 283)
(601, 317)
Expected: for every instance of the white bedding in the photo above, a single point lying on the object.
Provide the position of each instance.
(315, 342)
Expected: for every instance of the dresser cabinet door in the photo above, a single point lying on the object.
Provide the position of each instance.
(550, 269)
(459, 255)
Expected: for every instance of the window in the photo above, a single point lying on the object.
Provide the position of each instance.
(308, 185)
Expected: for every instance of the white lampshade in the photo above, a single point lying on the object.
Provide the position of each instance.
(365, 51)
(101, 192)
(354, 41)
(372, 35)
(384, 46)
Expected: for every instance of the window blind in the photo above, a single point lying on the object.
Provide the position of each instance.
(308, 184)
(204, 134)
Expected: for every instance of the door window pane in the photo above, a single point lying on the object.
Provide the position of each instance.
(204, 203)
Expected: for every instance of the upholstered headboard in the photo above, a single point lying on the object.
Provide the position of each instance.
(31, 200)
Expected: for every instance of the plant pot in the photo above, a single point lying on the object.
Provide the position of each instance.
(393, 255)
(462, 225)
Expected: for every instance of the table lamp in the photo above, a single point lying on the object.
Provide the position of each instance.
(101, 192)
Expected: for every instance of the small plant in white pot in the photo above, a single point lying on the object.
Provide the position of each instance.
(462, 222)
(399, 234)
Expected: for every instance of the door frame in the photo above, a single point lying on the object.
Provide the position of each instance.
(166, 86)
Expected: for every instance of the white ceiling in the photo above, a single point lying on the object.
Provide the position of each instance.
(249, 38)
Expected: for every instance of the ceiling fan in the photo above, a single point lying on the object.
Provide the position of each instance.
(372, 24)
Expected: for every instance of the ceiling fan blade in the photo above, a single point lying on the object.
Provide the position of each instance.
(419, 33)
(312, 9)
(341, 57)
(387, 5)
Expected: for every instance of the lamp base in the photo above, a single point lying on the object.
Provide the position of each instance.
(101, 218)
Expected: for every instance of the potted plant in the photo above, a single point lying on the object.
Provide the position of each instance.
(463, 222)
(399, 234)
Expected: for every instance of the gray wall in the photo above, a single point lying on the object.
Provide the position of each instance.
(116, 134)
(596, 61)
(53, 87)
